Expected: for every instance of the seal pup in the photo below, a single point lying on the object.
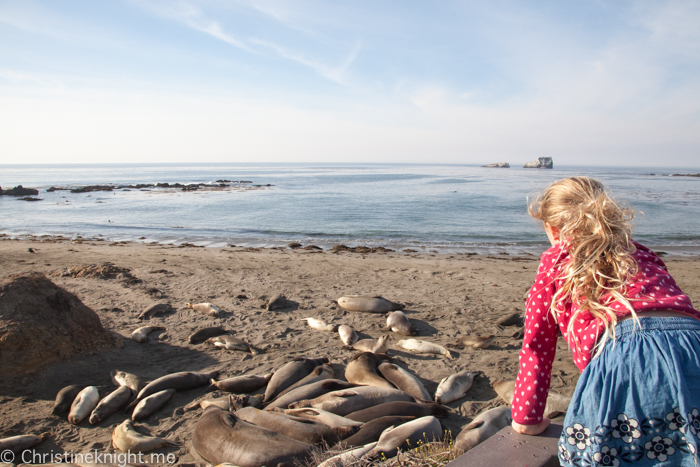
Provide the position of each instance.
(127, 439)
(308, 391)
(122, 378)
(379, 346)
(362, 370)
(241, 384)
(204, 334)
(179, 381)
(454, 387)
(220, 437)
(367, 304)
(17, 444)
(351, 400)
(84, 403)
(510, 320)
(404, 380)
(398, 322)
(110, 404)
(65, 398)
(155, 309)
(319, 373)
(478, 342)
(415, 409)
(419, 346)
(320, 325)
(208, 309)
(299, 428)
(289, 374)
(323, 416)
(224, 403)
(151, 404)
(229, 342)
(348, 458)
(485, 425)
(406, 436)
(277, 302)
(141, 334)
(371, 431)
(238, 401)
(347, 334)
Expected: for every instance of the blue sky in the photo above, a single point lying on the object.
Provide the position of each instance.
(588, 82)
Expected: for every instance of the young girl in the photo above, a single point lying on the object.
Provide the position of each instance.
(634, 335)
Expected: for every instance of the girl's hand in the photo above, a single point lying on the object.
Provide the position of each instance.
(531, 429)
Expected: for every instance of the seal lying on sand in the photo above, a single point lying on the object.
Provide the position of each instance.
(65, 398)
(362, 370)
(208, 309)
(84, 403)
(319, 373)
(404, 380)
(371, 431)
(398, 322)
(378, 346)
(179, 381)
(126, 439)
(229, 342)
(420, 346)
(320, 325)
(156, 309)
(348, 458)
(278, 302)
(406, 436)
(347, 401)
(151, 404)
(204, 334)
(454, 387)
(308, 391)
(17, 444)
(478, 342)
(323, 416)
(347, 334)
(110, 404)
(122, 378)
(368, 304)
(289, 374)
(415, 409)
(485, 425)
(241, 384)
(220, 437)
(141, 334)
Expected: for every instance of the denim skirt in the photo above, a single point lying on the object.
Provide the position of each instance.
(639, 401)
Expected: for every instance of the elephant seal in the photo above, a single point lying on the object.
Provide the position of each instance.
(320, 325)
(229, 342)
(224, 403)
(289, 374)
(220, 437)
(122, 378)
(362, 370)
(378, 346)
(299, 428)
(308, 391)
(110, 404)
(65, 398)
(404, 380)
(156, 309)
(151, 404)
(323, 416)
(277, 302)
(204, 334)
(238, 401)
(347, 458)
(319, 373)
(485, 425)
(208, 309)
(347, 334)
(371, 431)
(424, 347)
(126, 439)
(414, 409)
(241, 384)
(406, 436)
(454, 387)
(510, 320)
(84, 403)
(351, 400)
(17, 444)
(141, 334)
(478, 342)
(368, 304)
(398, 322)
(556, 403)
(179, 381)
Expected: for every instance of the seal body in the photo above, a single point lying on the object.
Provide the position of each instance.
(348, 458)
(478, 342)
(320, 325)
(155, 309)
(347, 401)
(228, 342)
(141, 334)
(404, 380)
(379, 346)
(512, 319)
(122, 378)
(323, 416)
(398, 322)
(242, 384)
(179, 381)
(362, 370)
(289, 374)
(221, 437)
(277, 302)
(110, 404)
(414, 409)
(406, 436)
(308, 391)
(84, 403)
(423, 347)
(485, 425)
(347, 334)
(204, 334)
(17, 444)
(454, 387)
(126, 439)
(65, 398)
(151, 404)
(371, 431)
(319, 373)
(367, 304)
(208, 309)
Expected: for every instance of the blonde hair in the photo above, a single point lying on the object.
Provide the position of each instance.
(597, 231)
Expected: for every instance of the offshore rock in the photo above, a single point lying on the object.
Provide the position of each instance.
(500, 165)
(540, 163)
(19, 190)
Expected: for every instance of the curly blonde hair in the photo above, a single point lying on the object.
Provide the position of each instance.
(597, 231)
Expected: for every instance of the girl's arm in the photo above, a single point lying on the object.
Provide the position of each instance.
(537, 354)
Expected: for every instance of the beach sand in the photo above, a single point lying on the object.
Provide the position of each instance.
(446, 296)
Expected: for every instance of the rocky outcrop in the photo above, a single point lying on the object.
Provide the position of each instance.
(41, 323)
(19, 190)
(500, 165)
(540, 163)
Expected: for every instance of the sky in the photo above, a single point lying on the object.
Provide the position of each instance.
(590, 82)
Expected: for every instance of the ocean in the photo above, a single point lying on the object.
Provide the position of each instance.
(439, 208)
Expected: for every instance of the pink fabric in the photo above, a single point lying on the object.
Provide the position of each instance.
(651, 289)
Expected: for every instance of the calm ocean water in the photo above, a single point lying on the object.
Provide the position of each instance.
(447, 208)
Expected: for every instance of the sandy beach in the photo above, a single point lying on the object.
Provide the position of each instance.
(446, 296)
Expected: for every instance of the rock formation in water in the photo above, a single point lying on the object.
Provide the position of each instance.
(19, 190)
(540, 163)
(500, 165)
